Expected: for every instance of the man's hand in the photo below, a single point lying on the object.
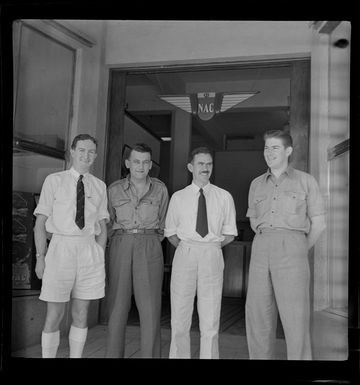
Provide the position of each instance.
(40, 267)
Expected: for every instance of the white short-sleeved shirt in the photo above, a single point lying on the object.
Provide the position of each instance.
(58, 202)
(182, 214)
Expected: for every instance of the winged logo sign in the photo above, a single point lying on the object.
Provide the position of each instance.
(207, 104)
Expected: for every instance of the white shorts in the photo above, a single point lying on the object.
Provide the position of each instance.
(73, 266)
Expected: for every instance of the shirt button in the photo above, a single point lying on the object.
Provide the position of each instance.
(274, 199)
(272, 211)
(270, 225)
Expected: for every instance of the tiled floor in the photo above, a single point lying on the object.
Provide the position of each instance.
(230, 346)
(329, 338)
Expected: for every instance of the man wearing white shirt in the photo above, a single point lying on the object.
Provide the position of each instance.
(73, 209)
(201, 219)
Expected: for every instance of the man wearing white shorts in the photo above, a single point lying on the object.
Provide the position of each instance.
(73, 209)
(200, 220)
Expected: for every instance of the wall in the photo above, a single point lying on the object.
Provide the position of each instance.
(88, 116)
(151, 42)
(329, 125)
(91, 84)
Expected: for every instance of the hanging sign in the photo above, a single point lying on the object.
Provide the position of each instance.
(206, 105)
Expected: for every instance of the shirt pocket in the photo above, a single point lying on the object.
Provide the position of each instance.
(64, 205)
(294, 202)
(260, 204)
(149, 209)
(123, 209)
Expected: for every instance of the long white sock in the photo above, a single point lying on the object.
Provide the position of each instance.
(50, 343)
(77, 338)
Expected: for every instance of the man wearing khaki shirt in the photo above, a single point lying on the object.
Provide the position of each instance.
(286, 212)
(137, 207)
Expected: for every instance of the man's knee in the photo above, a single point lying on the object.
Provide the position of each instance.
(54, 315)
(79, 312)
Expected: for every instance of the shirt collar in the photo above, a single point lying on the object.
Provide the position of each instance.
(76, 173)
(289, 172)
(196, 188)
(127, 182)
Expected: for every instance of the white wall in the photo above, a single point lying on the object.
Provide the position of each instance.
(151, 42)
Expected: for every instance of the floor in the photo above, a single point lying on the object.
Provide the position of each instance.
(329, 336)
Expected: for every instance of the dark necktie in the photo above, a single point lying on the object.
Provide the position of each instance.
(80, 203)
(201, 221)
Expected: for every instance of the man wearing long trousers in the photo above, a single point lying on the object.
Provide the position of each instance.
(73, 208)
(201, 220)
(137, 206)
(286, 211)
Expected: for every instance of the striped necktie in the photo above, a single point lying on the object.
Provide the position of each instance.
(201, 221)
(80, 203)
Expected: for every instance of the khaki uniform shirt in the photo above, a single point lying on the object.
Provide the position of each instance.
(127, 211)
(287, 202)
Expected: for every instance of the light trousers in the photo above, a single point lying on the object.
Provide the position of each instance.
(197, 269)
(279, 282)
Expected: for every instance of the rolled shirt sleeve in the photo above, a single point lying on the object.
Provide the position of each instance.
(315, 200)
(251, 213)
(229, 225)
(163, 208)
(171, 222)
(103, 212)
(47, 195)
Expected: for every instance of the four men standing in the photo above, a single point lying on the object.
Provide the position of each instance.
(285, 210)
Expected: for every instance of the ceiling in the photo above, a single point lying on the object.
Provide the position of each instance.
(268, 109)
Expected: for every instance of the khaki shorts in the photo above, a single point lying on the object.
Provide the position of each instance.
(74, 266)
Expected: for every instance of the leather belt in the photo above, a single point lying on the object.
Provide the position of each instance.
(277, 230)
(137, 231)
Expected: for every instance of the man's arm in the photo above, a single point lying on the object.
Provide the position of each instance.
(174, 240)
(102, 237)
(252, 224)
(162, 213)
(228, 239)
(317, 227)
(40, 244)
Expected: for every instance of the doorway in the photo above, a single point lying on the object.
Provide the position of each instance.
(279, 99)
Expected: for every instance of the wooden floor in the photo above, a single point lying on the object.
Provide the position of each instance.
(330, 336)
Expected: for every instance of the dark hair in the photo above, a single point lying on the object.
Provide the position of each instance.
(140, 147)
(280, 134)
(82, 137)
(199, 150)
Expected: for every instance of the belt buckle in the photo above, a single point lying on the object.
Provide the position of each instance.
(134, 231)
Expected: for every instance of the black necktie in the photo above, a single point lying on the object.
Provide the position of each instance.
(201, 221)
(80, 203)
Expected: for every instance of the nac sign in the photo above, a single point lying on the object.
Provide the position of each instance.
(206, 102)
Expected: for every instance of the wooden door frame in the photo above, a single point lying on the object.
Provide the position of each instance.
(114, 137)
